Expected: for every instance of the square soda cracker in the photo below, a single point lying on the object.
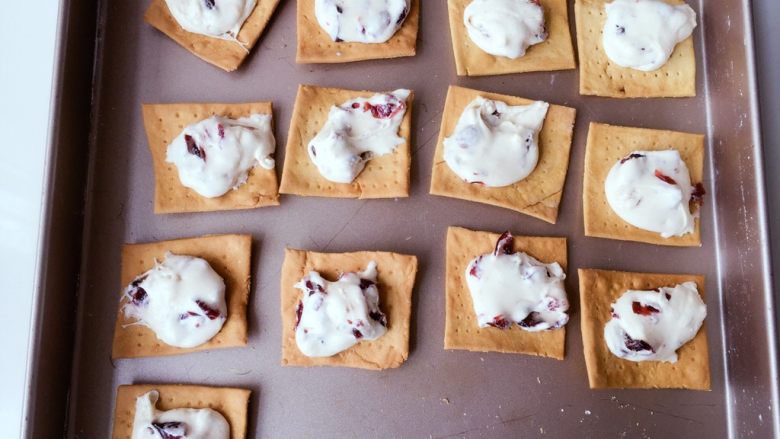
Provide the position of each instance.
(164, 122)
(396, 274)
(606, 145)
(598, 290)
(231, 403)
(555, 53)
(539, 194)
(225, 54)
(316, 46)
(461, 328)
(228, 255)
(600, 77)
(383, 177)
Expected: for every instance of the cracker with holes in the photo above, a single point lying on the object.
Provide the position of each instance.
(173, 410)
(643, 185)
(346, 309)
(183, 296)
(221, 32)
(212, 156)
(494, 37)
(642, 330)
(505, 293)
(636, 49)
(504, 151)
(344, 31)
(348, 144)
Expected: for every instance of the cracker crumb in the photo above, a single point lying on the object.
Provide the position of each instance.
(587, 412)
(445, 401)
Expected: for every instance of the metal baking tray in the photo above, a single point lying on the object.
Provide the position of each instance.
(101, 197)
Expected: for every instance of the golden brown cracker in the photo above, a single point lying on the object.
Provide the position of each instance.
(396, 275)
(228, 255)
(316, 46)
(225, 54)
(229, 402)
(461, 328)
(539, 194)
(383, 177)
(600, 77)
(164, 122)
(555, 53)
(606, 145)
(598, 290)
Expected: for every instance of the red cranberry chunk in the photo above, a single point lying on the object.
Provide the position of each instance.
(383, 111)
(221, 131)
(210, 312)
(170, 430)
(378, 316)
(500, 322)
(138, 296)
(504, 245)
(637, 345)
(643, 310)
(193, 147)
(358, 335)
(298, 314)
(665, 178)
(531, 320)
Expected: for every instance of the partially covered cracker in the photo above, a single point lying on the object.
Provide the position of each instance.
(225, 54)
(231, 403)
(164, 122)
(395, 281)
(316, 46)
(555, 53)
(461, 330)
(228, 255)
(539, 194)
(600, 77)
(607, 144)
(383, 177)
(598, 290)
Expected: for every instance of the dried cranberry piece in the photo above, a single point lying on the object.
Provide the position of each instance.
(210, 312)
(668, 296)
(665, 178)
(630, 157)
(193, 148)
(355, 105)
(138, 296)
(298, 314)
(697, 195)
(402, 16)
(358, 335)
(187, 315)
(378, 316)
(339, 10)
(221, 131)
(210, 4)
(643, 310)
(531, 320)
(474, 272)
(637, 345)
(500, 322)
(504, 244)
(366, 284)
(613, 313)
(383, 111)
(170, 430)
(314, 288)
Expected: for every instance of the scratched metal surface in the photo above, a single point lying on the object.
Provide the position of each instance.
(436, 393)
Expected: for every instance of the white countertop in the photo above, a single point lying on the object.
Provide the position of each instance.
(26, 70)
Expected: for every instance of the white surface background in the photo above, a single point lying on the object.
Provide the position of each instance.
(26, 72)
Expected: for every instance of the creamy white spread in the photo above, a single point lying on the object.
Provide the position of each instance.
(495, 144)
(334, 316)
(641, 34)
(505, 27)
(181, 423)
(361, 21)
(216, 154)
(652, 190)
(357, 131)
(181, 299)
(652, 325)
(508, 287)
(214, 18)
